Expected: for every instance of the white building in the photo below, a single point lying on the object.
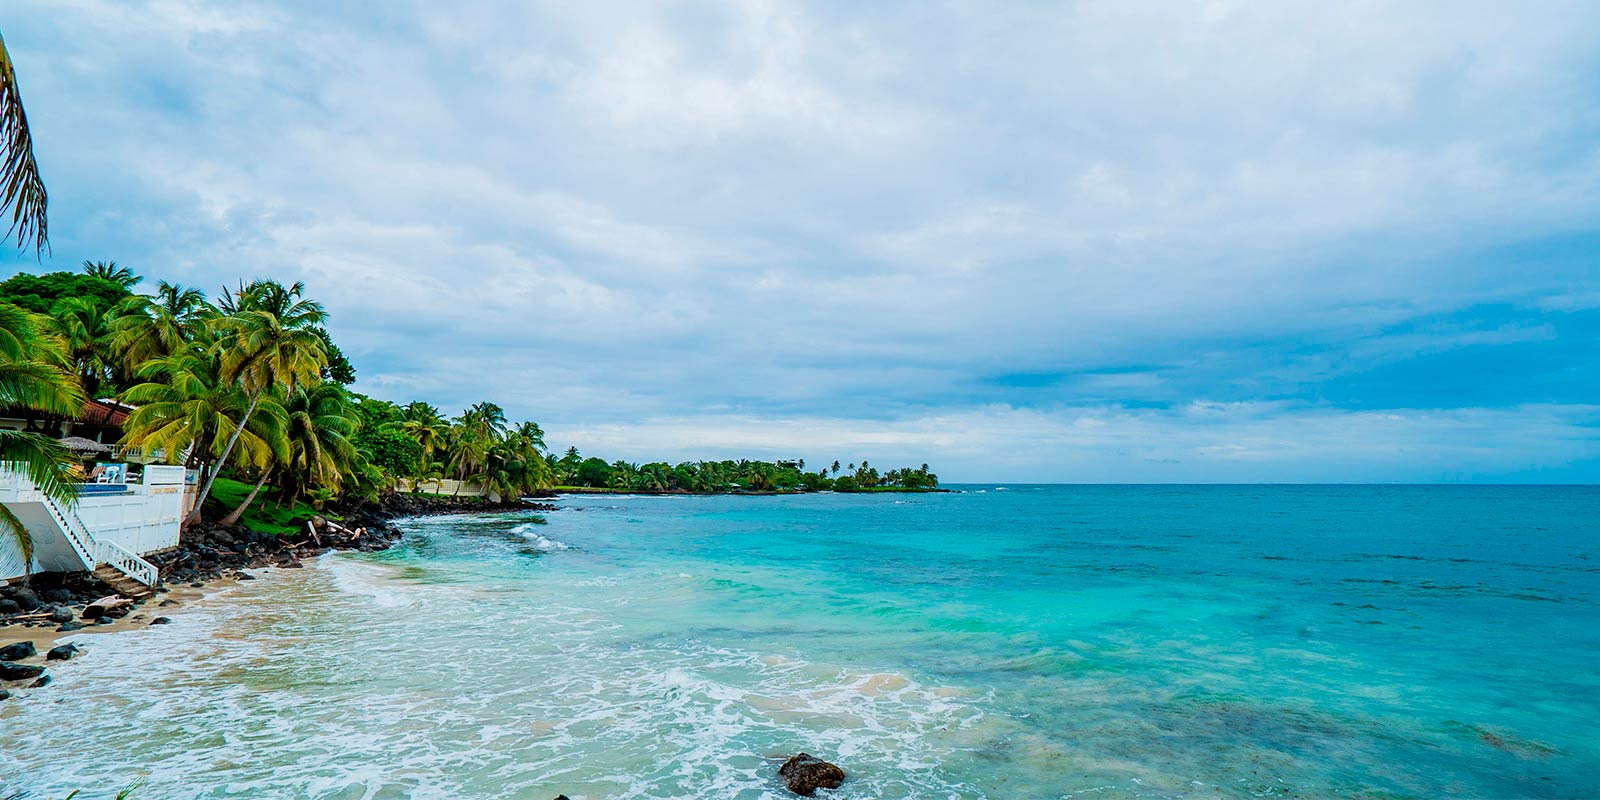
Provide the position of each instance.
(127, 511)
(110, 526)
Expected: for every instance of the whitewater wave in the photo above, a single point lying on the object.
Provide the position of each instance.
(544, 544)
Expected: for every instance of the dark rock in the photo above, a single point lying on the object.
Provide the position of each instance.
(69, 627)
(44, 680)
(62, 652)
(17, 652)
(104, 621)
(5, 694)
(18, 672)
(56, 595)
(60, 614)
(24, 598)
(116, 612)
(161, 621)
(197, 585)
(244, 576)
(9, 606)
(165, 603)
(804, 774)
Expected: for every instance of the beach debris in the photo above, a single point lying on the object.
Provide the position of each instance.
(805, 773)
(10, 671)
(18, 651)
(63, 652)
(107, 606)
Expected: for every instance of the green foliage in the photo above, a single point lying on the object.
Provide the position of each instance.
(39, 293)
(338, 369)
(390, 449)
(572, 471)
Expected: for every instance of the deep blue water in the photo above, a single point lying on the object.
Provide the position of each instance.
(1025, 642)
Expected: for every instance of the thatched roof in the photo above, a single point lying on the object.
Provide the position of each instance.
(82, 445)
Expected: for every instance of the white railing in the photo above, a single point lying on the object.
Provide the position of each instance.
(78, 535)
(94, 552)
(128, 562)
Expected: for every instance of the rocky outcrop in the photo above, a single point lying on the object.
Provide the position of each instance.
(63, 652)
(805, 774)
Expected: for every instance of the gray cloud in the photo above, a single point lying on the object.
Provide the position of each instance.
(615, 218)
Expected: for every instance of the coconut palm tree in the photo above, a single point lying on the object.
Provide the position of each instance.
(33, 378)
(186, 407)
(86, 327)
(424, 424)
(108, 270)
(22, 189)
(144, 328)
(320, 424)
(267, 341)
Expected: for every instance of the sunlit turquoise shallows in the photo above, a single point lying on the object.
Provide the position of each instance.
(1030, 642)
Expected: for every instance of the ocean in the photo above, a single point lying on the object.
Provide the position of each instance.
(1001, 641)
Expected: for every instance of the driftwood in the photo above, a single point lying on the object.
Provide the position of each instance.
(35, 615)
(313, 531)
(111, 601)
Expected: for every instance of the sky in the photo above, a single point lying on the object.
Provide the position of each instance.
(1080, 242)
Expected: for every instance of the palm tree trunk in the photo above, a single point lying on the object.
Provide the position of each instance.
(234, 515)
(205, 489)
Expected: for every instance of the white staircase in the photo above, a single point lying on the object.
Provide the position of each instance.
(118, 566)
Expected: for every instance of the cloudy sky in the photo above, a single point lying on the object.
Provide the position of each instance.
(1093, 241)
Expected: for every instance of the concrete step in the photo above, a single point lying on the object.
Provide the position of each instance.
(120, 581)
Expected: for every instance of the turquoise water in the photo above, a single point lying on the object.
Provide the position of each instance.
(1031, 642)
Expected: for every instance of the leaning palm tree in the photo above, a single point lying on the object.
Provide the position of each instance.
(21, 187)
(268, 341)
(33, 378)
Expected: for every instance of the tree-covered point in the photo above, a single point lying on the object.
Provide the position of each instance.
(572, 470)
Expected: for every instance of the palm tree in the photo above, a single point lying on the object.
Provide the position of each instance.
(186, 406)
(108, 270)
(268, 341)
(319, 425)
(32, 378)
(85, 326)
(144, 328)
(423, 423)
(23, 193)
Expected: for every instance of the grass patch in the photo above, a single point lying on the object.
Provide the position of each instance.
(263, 514)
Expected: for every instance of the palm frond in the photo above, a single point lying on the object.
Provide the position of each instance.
(18, 531)
(21, 187)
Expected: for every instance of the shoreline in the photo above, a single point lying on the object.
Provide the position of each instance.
(213, 559)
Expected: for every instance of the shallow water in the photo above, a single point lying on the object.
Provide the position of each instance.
(1035, 642)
